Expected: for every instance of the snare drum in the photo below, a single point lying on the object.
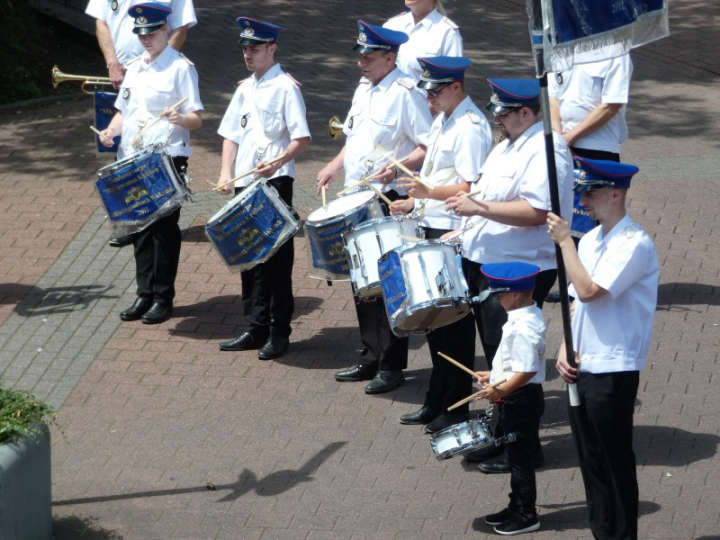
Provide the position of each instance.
(461, 438)
(423, 286)
(252, 226)
(140, 189)
(326, 226)
(369, 241)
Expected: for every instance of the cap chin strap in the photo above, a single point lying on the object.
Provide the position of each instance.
(484, 295)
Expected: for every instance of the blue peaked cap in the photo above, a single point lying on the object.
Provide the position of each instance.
(149, 16)
(376, 38)
(509, 94)
(597, 173)
(255, 32)
(510, 276)
(440, 70)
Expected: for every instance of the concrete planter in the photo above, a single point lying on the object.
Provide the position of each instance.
(25, 498)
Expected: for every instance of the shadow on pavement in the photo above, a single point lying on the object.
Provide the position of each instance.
(76, 528)
(36, 301)
(670, 294)
(273, 484)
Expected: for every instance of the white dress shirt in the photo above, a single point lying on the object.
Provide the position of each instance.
(126, 42)
(150, 87)
(263, 116)
(391, 116)
(612, 333)
(522, 346)
(584, 88)
(458, 147)
(518, 171)
(434, 35)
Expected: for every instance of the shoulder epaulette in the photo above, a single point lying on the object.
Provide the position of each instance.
(474, 118)
(451, 24)
(364, 80)
(243, 80)
(406, 82)
(133, 60)
(186, 59)
(297, 83)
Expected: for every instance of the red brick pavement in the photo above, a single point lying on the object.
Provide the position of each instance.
(160, 413)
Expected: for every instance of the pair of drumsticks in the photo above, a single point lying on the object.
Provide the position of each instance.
(472, 374)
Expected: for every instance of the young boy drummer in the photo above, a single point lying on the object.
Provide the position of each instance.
(514, 386)
(264, 127)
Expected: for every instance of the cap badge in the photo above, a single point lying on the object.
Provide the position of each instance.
(141, 20)
(426, 74)
(362, 37)
(249, 31)
(582, 175)
(138, 10)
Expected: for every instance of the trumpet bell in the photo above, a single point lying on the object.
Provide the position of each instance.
(335, 127)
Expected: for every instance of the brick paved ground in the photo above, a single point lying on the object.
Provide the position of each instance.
(150, 415)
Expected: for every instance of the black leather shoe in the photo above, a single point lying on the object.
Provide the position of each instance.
(483, 454)
(445, 420)
(158, 312)
(385, 380)
(274, 347)
(497, 465)
(359, 372)
(423, 415)
(137, 310)
(245, 342)
(121, 241)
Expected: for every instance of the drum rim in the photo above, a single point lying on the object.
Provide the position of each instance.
(336, 217)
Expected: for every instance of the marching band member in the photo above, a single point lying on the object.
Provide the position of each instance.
(508, 216)
(514, 386)
(154, 82)
(460, 139)
(118, 44)
(614, 278)
(430, 33)
(264, 121)
(387, 111)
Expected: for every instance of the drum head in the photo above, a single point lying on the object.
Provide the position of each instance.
(341, 206)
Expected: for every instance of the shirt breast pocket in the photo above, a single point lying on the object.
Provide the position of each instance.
(272, 119)
(160, 95)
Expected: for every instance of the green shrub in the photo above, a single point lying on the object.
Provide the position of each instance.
(21, 415)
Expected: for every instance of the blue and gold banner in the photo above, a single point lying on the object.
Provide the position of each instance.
(392, 281)
(104, 111)
(578, 31)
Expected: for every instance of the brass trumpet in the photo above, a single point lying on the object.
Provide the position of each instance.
(57, 77)
(335, 127)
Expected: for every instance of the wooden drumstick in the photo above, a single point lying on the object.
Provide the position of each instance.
(437, 203)
(464, 401)
(472, 396)
(362, 181)
(411, 238)
(381, 195)
(322, 192)
(458, 364)
(95, 130)
(155, 121)
(407, 171)
(243, 175)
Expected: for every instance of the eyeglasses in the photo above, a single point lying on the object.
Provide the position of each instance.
(507, 112)
(437, 91)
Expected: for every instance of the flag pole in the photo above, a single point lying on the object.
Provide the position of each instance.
(536, 33)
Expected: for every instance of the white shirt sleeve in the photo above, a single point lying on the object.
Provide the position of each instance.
(616, 83)
(183, 13)
(471, 152)
(189, 84)
(230, 125)
(621, 266)
(525, 348)
(97, 9)
(295, 117)
(453, 45)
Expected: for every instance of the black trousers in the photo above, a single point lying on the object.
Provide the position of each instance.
(389, 351)
(490, 315)
(267, 298)
(602, 427)
(448, 384)
(520, 413)
(157, 253)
